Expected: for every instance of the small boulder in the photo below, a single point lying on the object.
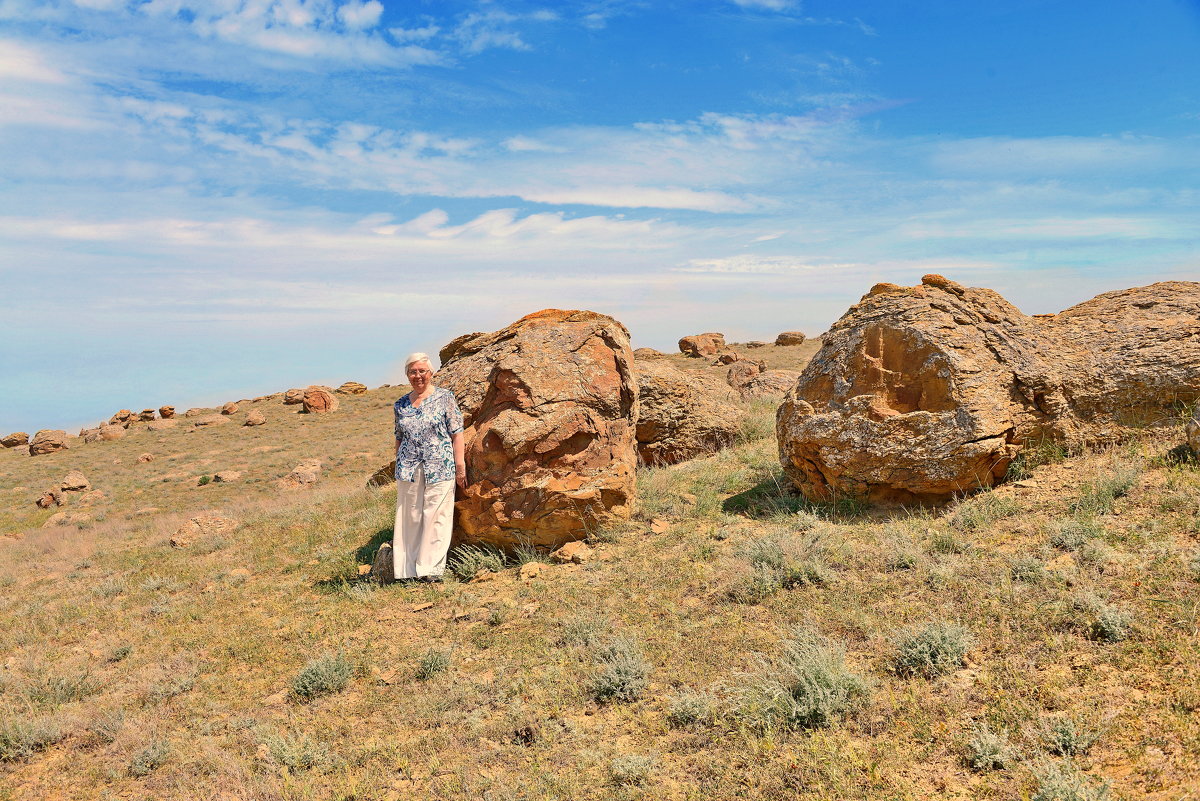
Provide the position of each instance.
(648, 353)
(305, 474)
(741, 373)
(67, 519)
(255, 418)
(211, 420)
(162, 425)
(146, 415)
(75, 481)
(50, 498)
(146, 457)
(790, 338)
(702, 345)
(318, 400)
(383, 567)
(576, 552)
(15, 440)
(352, 388)
(48, 441)
(728, 357)
(383, 476)
(229, 408)
(195, 412)
(531, 570)
(754, 343)
(293, 397)
(110, 432)
(226, 476)
(93, 497)
(208, 525)
(123, 417)
(166, 412)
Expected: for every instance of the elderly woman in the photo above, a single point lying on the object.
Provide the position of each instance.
(429, 461)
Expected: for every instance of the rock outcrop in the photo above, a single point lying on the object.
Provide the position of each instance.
(202, 527)
(352, 388)
(305, 474)
(255, 418)
(319, 400)
(682, 414)
(293, 397)
(166, 412)
(15, 440)
(549, 404)
(146, 415)
(702, 345)
(75, 481)
(48, 441)
(769, 384)
(229, 408)
(123, 417)
(790, 338)
(921, 393)
(162, 425)
(648, 353)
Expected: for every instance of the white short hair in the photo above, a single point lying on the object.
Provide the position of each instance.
(413, 358)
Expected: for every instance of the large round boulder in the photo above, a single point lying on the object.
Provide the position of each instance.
(683, 414)
(922, 393)
(15, 440)
(352, 388)
(702, 345)
(48, 441)
(549, 405)
(319, 400)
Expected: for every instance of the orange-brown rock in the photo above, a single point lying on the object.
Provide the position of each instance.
(201, 526)
(741, 373)
(50, 498)
(702, 345)
(166, 412)
(648, 353)
(921, 393)
(195, 412)
(305, 474)
(48, 441)
(452, 348)
(211, 420)
(255, 418)
(727, 357)
(229, 408)
(123, 417)
(549, 403)
(293, 397)
(319, 400)
(146, 415)
(383, 476)
(790, 338)
(15, 440)
(162, 425)
(352, 388)
(682, 414)
(75, 481)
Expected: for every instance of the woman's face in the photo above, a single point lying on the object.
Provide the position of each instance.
(419, 374)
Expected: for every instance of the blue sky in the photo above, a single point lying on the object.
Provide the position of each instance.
(201, 201)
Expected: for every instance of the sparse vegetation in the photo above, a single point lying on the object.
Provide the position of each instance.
(931, 651)
(1068, 737)
(150, 758)
(807, 686)
(982, 510)
(22, 736)
(691, 708)
(432, 662)
(630, 769)
(988, 750)
(298, 752)
(1062, 781)
(467, 560)
(1097, 497)
(621, 670)
(328, 673)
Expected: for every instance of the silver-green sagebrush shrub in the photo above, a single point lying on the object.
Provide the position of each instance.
(621, 671)
(1098, 497)
(467, 560)
(1068, 736)
(21, 737)
(630, 769)
(1062, 781)
(328, 673)
(691, 708)
(298, 752)
(808, 685)
(150, 758)
(988, 750)
(932, 651)
(981, 511)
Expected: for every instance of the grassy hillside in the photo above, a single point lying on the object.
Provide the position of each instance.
(1036, 641)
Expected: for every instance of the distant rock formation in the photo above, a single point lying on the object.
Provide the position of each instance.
(790, 338)
(293, 397)
(166, 412)
(255, 418)
(319, 400)
(352, 388)
(702, 345)
(920, 393)
(305, 474)
(48, 441)
(682, 414)
(549, 403)
(229, 408)
(15, 440)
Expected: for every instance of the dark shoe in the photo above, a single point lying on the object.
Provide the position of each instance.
(430, 579)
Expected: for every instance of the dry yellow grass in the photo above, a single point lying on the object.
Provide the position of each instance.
(131, 669)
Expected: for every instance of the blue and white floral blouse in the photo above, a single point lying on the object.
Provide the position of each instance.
(424, 433)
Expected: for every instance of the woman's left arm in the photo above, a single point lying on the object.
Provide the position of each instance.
(460, 462)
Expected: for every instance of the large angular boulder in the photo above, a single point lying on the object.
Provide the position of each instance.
(293, 397)
(683, 414)
(166, 412)
(48, 441)
(549, 405)
(306, 474)
(922, 393)
(352, 388)
(15, 440)
(319, 400)
(702, 345)
(255, 418)
(790, 338)
(769, 384)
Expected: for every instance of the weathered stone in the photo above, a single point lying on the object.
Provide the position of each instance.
(166, 412)
(90, 435)
(211, 420)
(109, 432)
(790, 338)
(15, 440)
(575, 552)
(727, 357)
(226, 476)
(352, 388)
(293, 397)
(549, 403)
(50, 498)
(702, 345)
(229, 408)
(682, 414)
(195, 412)
(255, 418)
(754, 343)
(648, 353)
(208, 525)
(769, 384)
(305, 474)
(531, 570)
(162, 425)
(67, 519)
(455, 345)
(383, 476)
(48, 441)
(93, 497)
(918, 394)
(146, 457)
(319, 400)
(75, 481)
(383, 567)
(121, 418)
(146, 415)
(741, 372)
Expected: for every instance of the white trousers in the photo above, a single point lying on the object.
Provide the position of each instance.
(424, 523)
